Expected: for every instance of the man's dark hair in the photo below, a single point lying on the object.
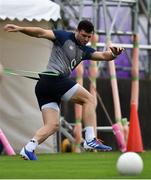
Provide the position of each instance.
(86, 25)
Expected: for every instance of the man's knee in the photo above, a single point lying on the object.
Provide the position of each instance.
(52, 128)
(55, 126)
(91, 100)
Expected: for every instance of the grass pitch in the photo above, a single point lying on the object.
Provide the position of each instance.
(101, 165)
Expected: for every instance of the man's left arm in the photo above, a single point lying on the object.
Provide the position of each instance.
(107, 55)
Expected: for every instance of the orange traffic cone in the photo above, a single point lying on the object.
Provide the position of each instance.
(134, 142)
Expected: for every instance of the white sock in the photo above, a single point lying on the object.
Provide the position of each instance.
(89, 133)
(31, 146)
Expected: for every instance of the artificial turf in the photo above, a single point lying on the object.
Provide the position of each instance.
(92, 165)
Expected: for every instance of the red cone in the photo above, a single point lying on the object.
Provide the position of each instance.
(134, 142)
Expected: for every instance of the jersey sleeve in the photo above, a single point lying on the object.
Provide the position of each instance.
(87, 53)
(61, 36)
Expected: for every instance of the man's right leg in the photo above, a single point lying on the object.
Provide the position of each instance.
(83, 97)
(51, 124)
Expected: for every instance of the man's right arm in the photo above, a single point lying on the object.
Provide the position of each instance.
(31, 31)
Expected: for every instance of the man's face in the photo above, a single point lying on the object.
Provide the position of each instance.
(83, 37)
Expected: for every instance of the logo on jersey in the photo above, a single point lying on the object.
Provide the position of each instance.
(73, 63)
(71, 47)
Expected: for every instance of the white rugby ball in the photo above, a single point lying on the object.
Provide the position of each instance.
(129, 163)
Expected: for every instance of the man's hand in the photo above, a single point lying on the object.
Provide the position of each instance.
(12, 28)
(116, 51)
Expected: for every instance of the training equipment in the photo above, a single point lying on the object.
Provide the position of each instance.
(96, 144)
(119, 137)
(7, 147)
(1, 147)
(27, 155)
(134, 142)
(116, 128)
(130, 163)
(67, 146)
(27, 74)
